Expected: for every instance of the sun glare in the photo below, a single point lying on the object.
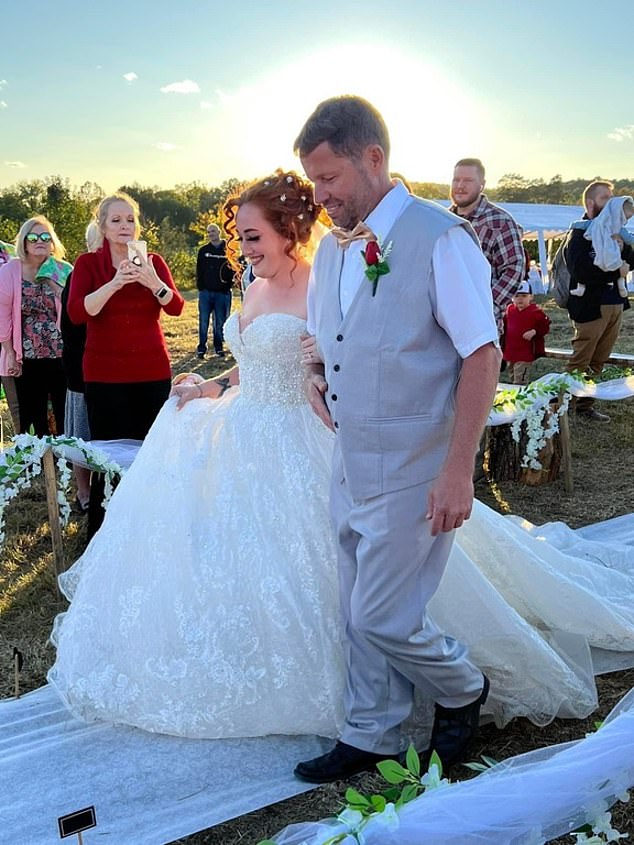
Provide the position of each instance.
(432, 122)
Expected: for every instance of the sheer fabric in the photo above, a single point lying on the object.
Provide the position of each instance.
(526, 800)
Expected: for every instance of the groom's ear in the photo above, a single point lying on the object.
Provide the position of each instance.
(374, 156)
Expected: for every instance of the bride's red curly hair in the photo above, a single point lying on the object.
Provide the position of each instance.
(288, 203)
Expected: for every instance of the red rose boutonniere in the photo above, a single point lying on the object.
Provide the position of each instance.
(374, 257)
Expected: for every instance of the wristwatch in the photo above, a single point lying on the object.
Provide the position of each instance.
(160, 294)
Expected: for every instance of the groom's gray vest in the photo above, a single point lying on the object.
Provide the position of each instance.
(391, 368)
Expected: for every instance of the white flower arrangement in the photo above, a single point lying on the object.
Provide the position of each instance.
(528, 405)
(21, 463)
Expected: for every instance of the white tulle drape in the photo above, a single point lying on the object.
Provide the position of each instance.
(527, 800)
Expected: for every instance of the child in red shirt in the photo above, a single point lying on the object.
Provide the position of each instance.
(525, 326)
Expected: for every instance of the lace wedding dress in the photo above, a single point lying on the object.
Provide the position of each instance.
(206, 605)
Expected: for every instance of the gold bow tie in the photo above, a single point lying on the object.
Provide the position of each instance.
(345, 237)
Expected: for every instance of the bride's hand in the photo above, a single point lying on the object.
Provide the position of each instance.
(310, 350)
(185, 393)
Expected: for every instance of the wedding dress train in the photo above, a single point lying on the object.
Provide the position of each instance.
(206, 605)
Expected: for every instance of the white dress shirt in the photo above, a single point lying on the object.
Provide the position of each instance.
(460, 283)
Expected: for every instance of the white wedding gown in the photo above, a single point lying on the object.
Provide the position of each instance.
(206, 605)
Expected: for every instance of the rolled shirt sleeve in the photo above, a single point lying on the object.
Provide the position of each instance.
(461, 292)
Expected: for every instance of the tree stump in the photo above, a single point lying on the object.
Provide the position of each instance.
(503, 456)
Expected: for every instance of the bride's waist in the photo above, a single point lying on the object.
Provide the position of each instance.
(272, 396)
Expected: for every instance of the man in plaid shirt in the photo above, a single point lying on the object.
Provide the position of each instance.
(500, 236)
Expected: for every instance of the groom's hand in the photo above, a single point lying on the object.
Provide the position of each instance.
(449, 501)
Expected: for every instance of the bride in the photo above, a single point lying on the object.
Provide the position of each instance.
(206, 605)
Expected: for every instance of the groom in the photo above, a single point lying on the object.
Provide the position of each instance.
(411, 365)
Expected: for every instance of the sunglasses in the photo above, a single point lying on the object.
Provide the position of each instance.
(33, 237)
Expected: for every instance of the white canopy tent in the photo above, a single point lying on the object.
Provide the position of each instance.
(542, 223)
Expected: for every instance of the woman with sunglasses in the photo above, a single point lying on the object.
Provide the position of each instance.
(30, 305)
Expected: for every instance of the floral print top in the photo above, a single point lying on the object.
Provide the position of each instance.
(41, 338)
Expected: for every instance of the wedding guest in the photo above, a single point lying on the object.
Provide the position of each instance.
(74, 340)
(126, 366)
(525, 326)
(30, 305)
(499, 234)
(214, 279)
(597, 314)
(7, 252)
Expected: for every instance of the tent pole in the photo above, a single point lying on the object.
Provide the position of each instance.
(543, 260)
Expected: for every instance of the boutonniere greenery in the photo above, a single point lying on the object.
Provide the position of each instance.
(374, 256)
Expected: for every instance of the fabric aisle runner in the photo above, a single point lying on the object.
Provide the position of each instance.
(147, 788)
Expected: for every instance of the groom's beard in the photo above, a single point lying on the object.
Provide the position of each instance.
(357, 207)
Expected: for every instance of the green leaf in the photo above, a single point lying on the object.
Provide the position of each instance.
(392, 771)
(435, 759)
(476, 767)
(392, 794)
(354, 797)
(489, 761)
(413, 761)
(378, 802)
(382, 269)
(598, 726)
(408, 794)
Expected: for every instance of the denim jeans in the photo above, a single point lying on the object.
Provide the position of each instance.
(216, 304)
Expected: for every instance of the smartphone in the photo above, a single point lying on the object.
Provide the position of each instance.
(133, 248)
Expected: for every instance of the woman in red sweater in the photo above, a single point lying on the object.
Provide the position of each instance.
(126, 365)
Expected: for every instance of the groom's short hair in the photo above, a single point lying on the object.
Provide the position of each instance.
(348, 123)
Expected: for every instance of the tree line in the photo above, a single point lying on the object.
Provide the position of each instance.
(175, 219)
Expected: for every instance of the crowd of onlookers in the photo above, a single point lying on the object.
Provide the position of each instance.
(77, 359)
(103, 371)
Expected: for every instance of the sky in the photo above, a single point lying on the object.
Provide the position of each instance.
(164, 93)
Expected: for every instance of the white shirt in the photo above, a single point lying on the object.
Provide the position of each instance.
(460, 284)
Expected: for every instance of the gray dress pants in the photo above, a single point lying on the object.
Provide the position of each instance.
(389, 568)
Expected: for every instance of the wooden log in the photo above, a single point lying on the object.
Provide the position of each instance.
(503, 456)
(48, 462)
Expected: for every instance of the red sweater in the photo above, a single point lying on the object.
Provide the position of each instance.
(124, 342)
(516, 323)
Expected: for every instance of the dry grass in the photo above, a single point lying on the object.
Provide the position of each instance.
(601, 457)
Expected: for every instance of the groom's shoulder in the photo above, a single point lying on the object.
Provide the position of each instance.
(431, 211)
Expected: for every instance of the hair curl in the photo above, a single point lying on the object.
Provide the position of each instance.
(287, 202)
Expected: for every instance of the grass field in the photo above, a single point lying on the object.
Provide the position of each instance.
(603, 489)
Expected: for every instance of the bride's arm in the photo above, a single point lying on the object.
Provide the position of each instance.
(211, 389)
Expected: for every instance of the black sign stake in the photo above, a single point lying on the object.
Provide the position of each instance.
(18, 662)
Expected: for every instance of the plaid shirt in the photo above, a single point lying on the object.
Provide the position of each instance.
(501, 240)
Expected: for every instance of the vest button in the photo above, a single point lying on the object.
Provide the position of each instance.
(339, 337)
(336, 368)
(333, 396)
(336, 424)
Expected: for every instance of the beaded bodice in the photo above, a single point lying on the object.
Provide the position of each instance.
(269, 355)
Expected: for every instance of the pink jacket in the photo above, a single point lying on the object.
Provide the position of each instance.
(11, 310)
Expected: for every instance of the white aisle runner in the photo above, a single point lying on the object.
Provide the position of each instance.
(147, 789)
